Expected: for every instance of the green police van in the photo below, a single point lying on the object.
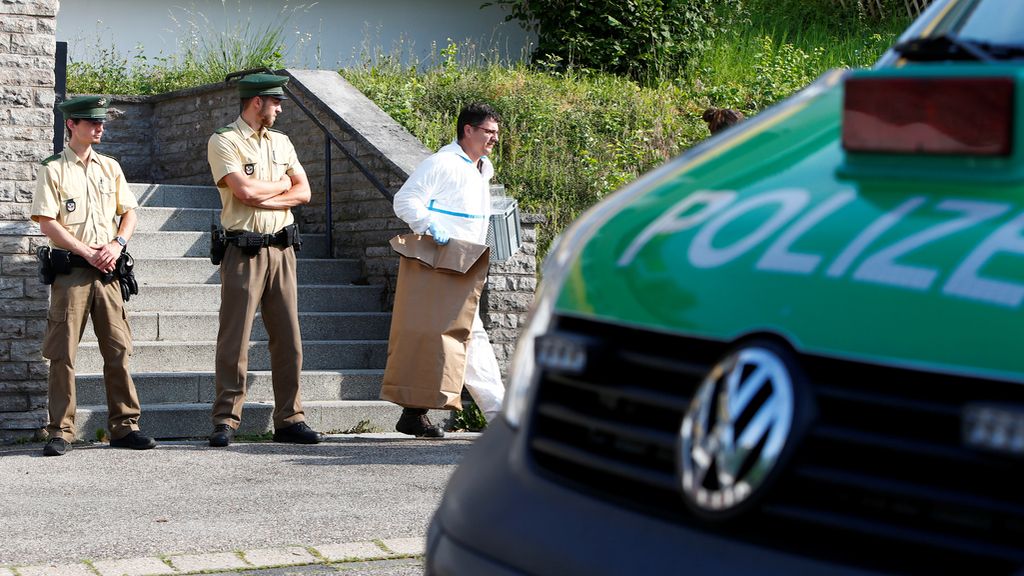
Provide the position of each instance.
(796, 349)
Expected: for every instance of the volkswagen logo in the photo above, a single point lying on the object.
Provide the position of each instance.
(735, 430)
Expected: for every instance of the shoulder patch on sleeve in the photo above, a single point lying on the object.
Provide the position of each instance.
(50, 159)
(223, 130)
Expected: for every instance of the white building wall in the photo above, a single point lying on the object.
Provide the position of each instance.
(328, 34)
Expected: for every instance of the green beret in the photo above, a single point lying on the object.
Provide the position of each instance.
(91, 107)
(262, 85)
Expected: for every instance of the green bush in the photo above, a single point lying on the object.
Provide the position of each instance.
(647, 40)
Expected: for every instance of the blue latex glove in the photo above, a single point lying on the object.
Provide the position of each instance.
(440, 234)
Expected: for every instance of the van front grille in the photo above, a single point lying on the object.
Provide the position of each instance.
(882, 467)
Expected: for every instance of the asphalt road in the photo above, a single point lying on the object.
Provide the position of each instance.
(101, 503)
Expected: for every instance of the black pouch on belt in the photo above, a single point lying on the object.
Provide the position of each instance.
(250, 243)
(60, 260)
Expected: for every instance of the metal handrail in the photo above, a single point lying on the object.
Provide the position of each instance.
(329, 139)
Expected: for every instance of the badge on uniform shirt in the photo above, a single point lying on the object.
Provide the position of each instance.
(249, 169)
(70, 206)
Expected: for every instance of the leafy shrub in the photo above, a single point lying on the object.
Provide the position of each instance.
(780, 71)
(647, 40)
(469, 419)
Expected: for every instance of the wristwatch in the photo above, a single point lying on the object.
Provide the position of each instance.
(121, 241)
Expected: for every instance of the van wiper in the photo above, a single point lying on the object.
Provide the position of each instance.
(938, 48)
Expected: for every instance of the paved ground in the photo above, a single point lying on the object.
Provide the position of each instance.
(366, 497)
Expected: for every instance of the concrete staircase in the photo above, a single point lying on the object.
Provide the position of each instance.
(174, 326)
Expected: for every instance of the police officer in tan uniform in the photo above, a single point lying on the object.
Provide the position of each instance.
(84, 206)
(259, 178)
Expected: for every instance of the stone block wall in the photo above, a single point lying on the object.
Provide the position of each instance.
(27, 51)
(127, 136)
(509, 293)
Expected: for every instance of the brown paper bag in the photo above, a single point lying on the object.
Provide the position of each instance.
(437, 295)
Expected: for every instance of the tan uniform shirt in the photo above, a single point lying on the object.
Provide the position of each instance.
(86, 198)
(266, 155)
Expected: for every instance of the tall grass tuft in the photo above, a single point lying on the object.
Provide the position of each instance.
(205, 54)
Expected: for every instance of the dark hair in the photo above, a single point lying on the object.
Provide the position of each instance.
(472, 115)
(67, 131)
(721, 118)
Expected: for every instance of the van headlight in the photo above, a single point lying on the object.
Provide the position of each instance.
(523, 371)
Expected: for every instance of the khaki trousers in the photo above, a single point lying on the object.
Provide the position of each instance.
(267, 281)
(74, 298)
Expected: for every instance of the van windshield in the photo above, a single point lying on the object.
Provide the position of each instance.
(995, 22)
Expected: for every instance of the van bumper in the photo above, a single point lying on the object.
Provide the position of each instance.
(500, 517)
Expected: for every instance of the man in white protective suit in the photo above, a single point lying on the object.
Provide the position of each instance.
(448, 196)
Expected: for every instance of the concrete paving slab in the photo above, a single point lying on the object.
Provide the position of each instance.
(54, 570)
(6, 572)
(406, 546)
(208, 562)
(133, 567)
(351, 551)
(160, 500)
(291, 556)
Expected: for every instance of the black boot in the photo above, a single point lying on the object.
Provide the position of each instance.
(222, 435)
(414, 422)
(298, 433)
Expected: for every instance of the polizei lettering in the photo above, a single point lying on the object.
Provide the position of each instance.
(786, 215)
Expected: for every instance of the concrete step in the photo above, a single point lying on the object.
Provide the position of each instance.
(148, 356)
(176, 196)
(197, 244)
(201, 271)
(156, 218)
(192, 326)
(165, 421)
(206, 298)
(192, 387)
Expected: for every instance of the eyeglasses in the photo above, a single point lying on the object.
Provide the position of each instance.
(488, 131)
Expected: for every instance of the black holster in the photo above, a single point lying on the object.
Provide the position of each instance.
(292, 237)
(218, 244)
(52, 263)
(125, 272)
(46, 272)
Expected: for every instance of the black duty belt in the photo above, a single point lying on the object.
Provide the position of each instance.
(251, 242)
(252, 239)
(54, 262)
(64, 259)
